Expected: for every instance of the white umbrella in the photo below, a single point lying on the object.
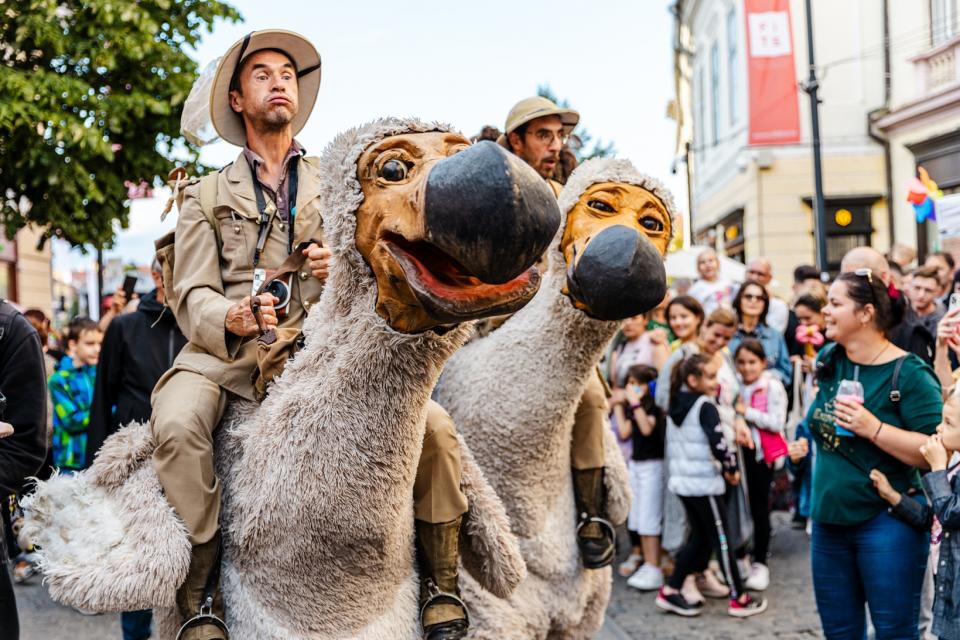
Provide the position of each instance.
(683, 264)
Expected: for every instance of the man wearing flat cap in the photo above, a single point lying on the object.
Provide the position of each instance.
(266, 207)
(536, 130)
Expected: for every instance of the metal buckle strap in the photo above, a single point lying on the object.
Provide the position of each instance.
(605, 524)
(442, 597)
(205, 617)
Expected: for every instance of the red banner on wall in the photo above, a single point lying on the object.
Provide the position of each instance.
(774, 108)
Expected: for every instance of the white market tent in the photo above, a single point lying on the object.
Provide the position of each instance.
(683, 264)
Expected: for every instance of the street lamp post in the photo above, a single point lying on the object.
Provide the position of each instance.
(811, 86)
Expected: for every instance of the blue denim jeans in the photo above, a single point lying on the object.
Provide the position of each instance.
(136, 624)
(879, 563)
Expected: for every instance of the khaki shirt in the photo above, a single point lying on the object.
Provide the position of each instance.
(208, 282)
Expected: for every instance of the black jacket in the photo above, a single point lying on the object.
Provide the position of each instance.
(137, 349)
(23, 381)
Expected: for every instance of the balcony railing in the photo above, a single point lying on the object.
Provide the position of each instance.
(937, 69)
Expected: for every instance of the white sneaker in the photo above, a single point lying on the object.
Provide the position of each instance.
(758, 579)
(629, 566)
(647, 578)
(690, 592)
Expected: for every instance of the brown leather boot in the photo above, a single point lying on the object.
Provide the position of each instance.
(443, 615)
(596, 537)
(201, 613)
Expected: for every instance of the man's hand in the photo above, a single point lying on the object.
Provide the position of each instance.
(6, 429)
(798, 449)
(240, 320)
(935, 453)
(318, 258)
(732, 478)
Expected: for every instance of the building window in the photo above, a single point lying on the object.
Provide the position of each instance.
(714, 93)
(733, 244)
(732, 64)
(943, 21)
(848, 226)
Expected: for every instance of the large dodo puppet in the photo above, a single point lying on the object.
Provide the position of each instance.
(514, 393)
(317, 514)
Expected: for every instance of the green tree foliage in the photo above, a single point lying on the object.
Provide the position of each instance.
(90, 97)
(581, 142)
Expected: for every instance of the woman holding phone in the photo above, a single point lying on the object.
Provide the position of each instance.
(860, 553)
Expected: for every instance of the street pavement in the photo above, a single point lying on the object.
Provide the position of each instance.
(631, 615)
(791, 615)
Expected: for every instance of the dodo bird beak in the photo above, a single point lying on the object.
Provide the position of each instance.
(490, 211)
(619, 275)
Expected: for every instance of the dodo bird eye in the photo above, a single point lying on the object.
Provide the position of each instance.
(393, 171)
(600, 205)
(652, 225)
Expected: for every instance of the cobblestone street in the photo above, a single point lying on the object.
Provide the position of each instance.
(791, 616)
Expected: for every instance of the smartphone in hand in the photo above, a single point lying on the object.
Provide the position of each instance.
(129, 283)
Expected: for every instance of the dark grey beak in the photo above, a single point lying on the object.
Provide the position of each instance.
(490, 211)
(619, 275)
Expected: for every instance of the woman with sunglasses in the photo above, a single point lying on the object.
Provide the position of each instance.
(752, 303)
(860, 552)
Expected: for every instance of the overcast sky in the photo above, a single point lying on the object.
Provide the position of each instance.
(462, 63)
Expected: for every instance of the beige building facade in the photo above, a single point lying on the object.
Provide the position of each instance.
(25, 271)
(755, 200)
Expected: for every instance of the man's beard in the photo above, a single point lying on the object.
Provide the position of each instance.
(544, 170)
(276, 119)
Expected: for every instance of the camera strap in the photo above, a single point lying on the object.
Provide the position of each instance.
(266, 216)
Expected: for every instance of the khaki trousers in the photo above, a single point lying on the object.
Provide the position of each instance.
(586, 451)
(187, 407)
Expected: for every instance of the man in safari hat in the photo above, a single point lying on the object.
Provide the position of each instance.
(266, 206)
(536, 130)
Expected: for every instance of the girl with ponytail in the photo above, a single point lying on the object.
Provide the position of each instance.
(701, 463)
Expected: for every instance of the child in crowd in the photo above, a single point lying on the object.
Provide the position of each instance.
(71, 389)
(701, 463)
(764, 407)
(711, 290)
(643, 423)
(941, 516)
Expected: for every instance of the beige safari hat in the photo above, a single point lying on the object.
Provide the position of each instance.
(537, 107)
(306, 60)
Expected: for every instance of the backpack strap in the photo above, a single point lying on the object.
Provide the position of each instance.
(895, 382)
(208, 201)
